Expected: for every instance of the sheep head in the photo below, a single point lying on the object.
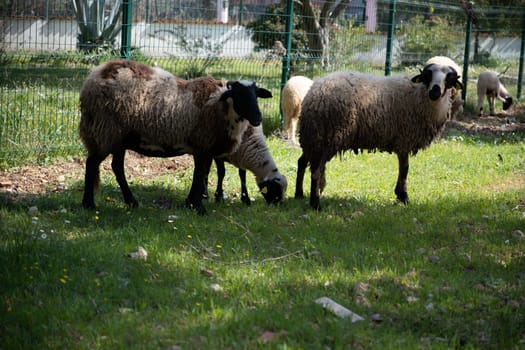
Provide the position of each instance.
(438, 79)
(273, 190)
(507, 103)
(244, 95)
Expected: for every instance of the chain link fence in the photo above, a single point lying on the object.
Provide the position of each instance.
(47, 48)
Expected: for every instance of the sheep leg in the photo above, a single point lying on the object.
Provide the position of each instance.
(201, 169)
(491, 104)
(117, 164)
(401, 186)
(91, 180)
(294, 131)
(221, 172)
(481, 97)
(302, 163)
(317, 169)
(245, 198)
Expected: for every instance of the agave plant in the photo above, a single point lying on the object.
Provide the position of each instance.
(98, 23)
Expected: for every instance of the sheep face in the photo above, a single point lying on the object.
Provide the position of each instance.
(438, 79)
(273, 190)
(244, 95)
(507, 103)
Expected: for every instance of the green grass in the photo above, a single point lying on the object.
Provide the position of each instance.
(446, 271)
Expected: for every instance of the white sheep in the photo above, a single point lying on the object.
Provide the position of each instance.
(253, 154)
(292, 96)
(355, 111)
(489, 85)
(129, 105)
(455, 94)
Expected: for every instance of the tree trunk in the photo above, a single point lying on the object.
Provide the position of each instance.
(318, 29)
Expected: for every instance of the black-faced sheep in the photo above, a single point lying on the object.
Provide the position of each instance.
(253, 154)
(346, 110)
(291, 98)
(129, 105)
(455, 94)
(489, 85)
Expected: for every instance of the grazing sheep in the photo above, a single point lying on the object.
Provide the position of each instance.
(129, 105)
(292, 96)
(253, 154)
(455, 94)
(490, 85)
(347, 110)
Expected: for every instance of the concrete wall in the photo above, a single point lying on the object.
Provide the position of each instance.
(161, 40)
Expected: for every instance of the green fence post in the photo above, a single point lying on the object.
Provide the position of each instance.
(125, 46)
(522, 49)
(286, 57)
(470, 11)
(240, 12)
(390, 37)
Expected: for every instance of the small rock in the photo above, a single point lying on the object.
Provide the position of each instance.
(412, 299)
(33, 211)
(421, 250)
(141, 254)
(125, 310)
(6, 183)
(216, 287)
(434, 259)
(207, 273)
(518, 234)
(376, 318)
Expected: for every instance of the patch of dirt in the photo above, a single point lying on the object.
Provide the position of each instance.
(502, 123)
(35, 179)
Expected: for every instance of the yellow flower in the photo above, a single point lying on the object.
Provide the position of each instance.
(189, 236)
(63, 280)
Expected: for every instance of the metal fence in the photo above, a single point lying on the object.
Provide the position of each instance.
(43, 62)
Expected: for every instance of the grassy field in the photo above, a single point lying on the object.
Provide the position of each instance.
(446, 271)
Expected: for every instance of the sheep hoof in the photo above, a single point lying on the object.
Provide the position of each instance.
(403, 199)
(299, 195)
(197, 206)
(315, 204)
(246, 200)
(220, 197)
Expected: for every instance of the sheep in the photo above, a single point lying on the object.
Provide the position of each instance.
(490, 85)
(348, 110)
(129, 105)
(293, 93)
(457, 99)
(253, 154)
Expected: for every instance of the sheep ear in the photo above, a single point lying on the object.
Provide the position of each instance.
(263, 93)
(417, 79)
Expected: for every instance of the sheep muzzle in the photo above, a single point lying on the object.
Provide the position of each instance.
(434, 93)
